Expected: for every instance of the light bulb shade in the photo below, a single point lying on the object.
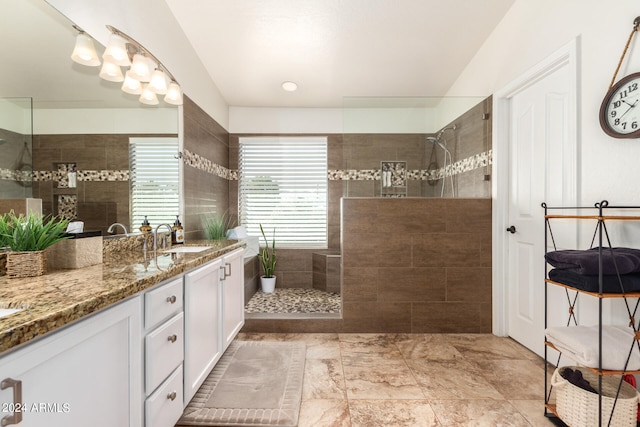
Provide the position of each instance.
(131, 85)
(140, 69)
(111, 72)
(116, 51)
(84, 51)
(148, 96)
(174, 94)
(158, 82)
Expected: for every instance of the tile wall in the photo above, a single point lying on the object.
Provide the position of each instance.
(206, 169)
(101, 161)
(410, 265)
(427, 269)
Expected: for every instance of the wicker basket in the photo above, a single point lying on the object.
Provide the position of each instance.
(26, 264)
(579, 408)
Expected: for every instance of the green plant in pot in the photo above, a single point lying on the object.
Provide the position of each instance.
(268, 258)
(28, 236)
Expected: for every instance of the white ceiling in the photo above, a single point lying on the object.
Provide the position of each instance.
(331, 48)
(335, 48)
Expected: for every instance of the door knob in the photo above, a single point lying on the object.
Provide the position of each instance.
(512, 229)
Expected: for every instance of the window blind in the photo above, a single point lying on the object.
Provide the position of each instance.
(154, 180)
(283, 185)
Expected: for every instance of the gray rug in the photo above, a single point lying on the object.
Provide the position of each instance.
(255, 383)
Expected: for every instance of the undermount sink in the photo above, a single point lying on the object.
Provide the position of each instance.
(7, 311)
(179, 249)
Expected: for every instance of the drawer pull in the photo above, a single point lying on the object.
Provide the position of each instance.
(172, 299)
(172, 338)
(16, 416)
(172, 395)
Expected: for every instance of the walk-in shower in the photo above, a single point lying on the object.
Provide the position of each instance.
(441, 142)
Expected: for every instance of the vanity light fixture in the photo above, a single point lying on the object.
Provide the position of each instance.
(116, 51)
(174, 94)
(148, 96)
(131, 85)
(84, 51)
(111, 72)
(158, 82)
(123, 51)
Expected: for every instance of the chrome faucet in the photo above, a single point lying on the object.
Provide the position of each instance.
(113, 226)
(155, 236)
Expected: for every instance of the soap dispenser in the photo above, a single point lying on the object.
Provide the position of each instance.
(145, 227)
(177, 235)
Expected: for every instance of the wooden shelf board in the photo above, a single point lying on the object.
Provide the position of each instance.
(595, 294)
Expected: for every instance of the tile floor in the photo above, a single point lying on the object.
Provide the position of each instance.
(368, 380)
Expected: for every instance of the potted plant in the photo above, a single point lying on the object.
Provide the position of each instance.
(28, 236)
(268, 259)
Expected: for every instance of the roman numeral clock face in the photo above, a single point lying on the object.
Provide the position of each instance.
(620, 109)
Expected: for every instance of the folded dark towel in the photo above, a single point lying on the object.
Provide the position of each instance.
(586, 261)
(610, 283)
(576, 378)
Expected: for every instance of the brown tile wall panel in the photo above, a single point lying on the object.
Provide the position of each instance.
(469, 284)
(359, 284)
(435, 268)
(204, 193)
(447, 317)
(447, 250)
(412, 284)
(295, 279)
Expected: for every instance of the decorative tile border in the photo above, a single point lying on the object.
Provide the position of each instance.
(465, 165)
(60, 176)
(198, 162)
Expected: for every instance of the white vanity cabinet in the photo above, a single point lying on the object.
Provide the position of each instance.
(232, 288)
(202, 325)
(87, 374)
(164, 353)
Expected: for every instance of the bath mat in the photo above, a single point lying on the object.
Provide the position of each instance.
(255, 383)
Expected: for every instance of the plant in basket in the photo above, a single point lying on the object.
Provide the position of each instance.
(28, 236)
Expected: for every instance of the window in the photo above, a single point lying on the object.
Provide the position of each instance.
(154, 179)
(283, 184)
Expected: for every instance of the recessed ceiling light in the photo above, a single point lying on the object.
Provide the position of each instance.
(289, 86)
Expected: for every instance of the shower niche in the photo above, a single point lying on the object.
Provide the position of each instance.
(393, 179)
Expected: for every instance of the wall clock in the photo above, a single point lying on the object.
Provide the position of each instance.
(620, 108)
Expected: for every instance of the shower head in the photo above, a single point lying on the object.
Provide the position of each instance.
(2, 141)
(436, 141)
(452, 127)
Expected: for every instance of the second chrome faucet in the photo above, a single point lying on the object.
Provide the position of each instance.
(155, 236)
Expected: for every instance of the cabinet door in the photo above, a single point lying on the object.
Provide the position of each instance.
(233, 295)
(88, 374)
(201, 325)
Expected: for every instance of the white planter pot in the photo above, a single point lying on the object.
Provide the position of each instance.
(268, 284)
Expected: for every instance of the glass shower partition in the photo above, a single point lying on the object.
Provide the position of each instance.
(16, 148)
(415, 147)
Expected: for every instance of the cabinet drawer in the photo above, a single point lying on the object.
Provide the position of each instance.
(164, 407)
(162, 303)
(164, 350)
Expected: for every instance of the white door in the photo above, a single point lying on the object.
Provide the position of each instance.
(541, 138)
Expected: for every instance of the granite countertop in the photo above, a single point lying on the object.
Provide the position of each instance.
(64, 296)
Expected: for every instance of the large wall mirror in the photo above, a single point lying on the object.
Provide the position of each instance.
(64, 132)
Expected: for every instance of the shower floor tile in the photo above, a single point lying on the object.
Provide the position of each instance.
(294, 300)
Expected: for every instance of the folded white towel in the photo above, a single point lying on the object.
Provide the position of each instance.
(580, 343)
